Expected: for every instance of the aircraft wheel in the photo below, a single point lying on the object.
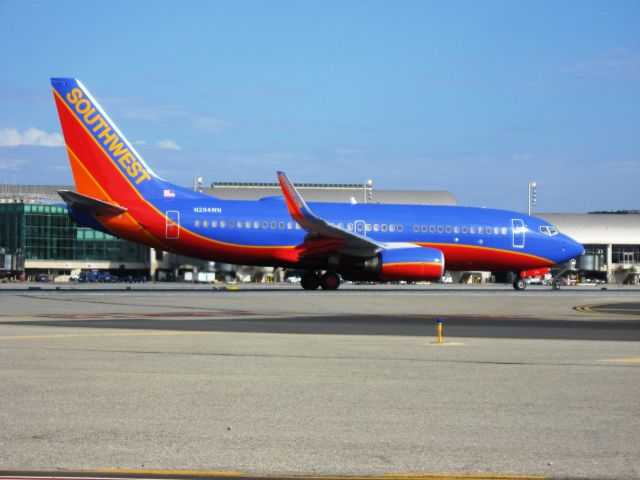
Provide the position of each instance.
(519, 284)
(330, 281)
(310, 281)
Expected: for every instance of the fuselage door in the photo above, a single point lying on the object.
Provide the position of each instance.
(361, 227)
(173, 225)
(519, 230)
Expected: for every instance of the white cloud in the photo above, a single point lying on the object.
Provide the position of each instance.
(168, 144)
(139, 142)
(11, 137)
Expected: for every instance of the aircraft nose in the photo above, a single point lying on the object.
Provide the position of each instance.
(571, 248)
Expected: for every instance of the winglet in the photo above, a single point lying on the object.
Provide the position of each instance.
(295, 203)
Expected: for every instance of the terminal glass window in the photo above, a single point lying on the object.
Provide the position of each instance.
(625, 254)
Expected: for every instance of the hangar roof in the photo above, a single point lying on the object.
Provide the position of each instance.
(333, 193)
(255, 191)
(596, 228)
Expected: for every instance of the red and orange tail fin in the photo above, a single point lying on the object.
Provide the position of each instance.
(105, 165)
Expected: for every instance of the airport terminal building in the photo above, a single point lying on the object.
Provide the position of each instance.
(38, 238)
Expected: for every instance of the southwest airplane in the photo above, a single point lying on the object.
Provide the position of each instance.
(118, 193)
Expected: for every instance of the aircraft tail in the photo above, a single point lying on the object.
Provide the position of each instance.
(105, 165)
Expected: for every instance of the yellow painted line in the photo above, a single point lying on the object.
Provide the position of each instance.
(623, 360)
(386, 476)
(132, 334)
(216, 473)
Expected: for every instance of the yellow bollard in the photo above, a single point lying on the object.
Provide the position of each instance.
(439, 324)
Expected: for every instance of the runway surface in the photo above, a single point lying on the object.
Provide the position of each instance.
(272, 382)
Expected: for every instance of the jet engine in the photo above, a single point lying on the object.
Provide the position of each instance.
(410, 264)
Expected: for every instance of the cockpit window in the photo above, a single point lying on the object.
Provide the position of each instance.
(547, 230)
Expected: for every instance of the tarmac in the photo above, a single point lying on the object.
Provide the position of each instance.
(275, 381)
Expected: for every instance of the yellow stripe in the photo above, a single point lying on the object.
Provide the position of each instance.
(623, 360)
(218, 473)
(163, 246)
(386, 476)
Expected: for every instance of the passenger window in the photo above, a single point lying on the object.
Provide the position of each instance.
(350, 227)
(496, 230)
(383, 227)
(281, 225)
(297, 226)
(341, 225)
(416, 228)
(424, 228)
(239, 223)
(504, 230)
(256, 224)
(289, 225)
(392, 228)
(472, 229)
(223, 223)
(432, 229)
(465, 229)
(400, 228)
(448, 229)
(247, 224)
(456, 229)
(231, 223)
(440, 229)
(368, 227)
(214, 223)
(376, 227)
(205, 223)
(265, 224)
(197, 223)
(273, 225)
(487, 230)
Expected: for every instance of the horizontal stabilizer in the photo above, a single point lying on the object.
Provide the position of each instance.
(90, 205)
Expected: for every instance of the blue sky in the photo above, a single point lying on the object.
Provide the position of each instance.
(475, 97)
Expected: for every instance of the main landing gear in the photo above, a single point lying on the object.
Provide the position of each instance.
(327, 281)
(519, 283)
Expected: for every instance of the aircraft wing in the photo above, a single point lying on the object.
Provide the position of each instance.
(330, 236)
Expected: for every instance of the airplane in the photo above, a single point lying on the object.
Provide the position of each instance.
(118, 193)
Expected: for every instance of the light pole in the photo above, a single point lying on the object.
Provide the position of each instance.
(532, 195)
(367, 190)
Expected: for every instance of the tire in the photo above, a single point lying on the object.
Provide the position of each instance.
(519, 284)
(330, 281)
(310, 281)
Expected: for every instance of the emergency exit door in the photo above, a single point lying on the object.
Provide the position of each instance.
(172, 225)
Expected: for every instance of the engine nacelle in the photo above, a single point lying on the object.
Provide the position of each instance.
(410, 264)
